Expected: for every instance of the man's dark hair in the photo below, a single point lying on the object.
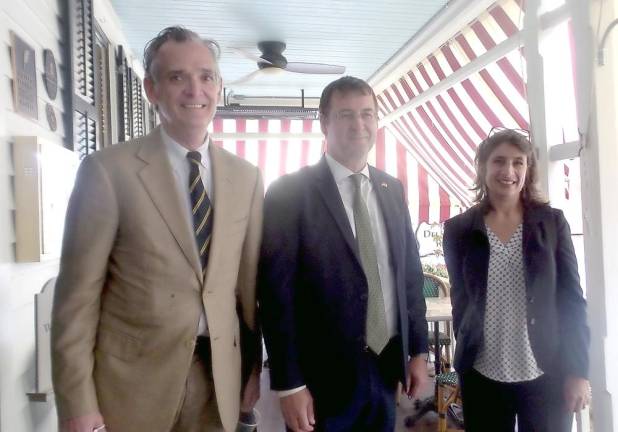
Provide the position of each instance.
(344, 85)
(176, 34)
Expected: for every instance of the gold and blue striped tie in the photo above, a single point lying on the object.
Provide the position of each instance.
(201, 208)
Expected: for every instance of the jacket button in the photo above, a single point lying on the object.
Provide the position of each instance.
(532, 321)
(366, 348)
(530, 299)
(190, 344)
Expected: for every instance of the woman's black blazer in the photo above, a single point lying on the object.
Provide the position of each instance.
(556, 309)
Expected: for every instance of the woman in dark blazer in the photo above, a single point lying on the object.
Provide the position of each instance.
(518, 310)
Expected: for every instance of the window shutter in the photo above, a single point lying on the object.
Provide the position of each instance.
(102, 88)
(85, 134)
(137, 104)
(83, 76)
(123, 80)
(84, 51)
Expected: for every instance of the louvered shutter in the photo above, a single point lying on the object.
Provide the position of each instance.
(137, 106)
(102, 88)
(123, 80)
(83, 67)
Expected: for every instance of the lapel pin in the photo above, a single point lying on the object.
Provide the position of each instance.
(384, 185)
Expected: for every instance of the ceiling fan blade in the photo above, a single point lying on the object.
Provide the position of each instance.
(246, 78)
(248, 55)
(314, 68)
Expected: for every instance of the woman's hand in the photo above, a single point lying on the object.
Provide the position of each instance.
(576, 393)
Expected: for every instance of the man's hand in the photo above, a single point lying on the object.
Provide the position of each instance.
(251, 394)
(417, 375)
(85, 423)
(297, 411)
(576, 393)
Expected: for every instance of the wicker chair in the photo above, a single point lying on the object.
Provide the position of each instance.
(448, 393)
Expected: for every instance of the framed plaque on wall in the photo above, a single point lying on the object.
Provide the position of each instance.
(44, 177)
(24, 77)
(50, 76)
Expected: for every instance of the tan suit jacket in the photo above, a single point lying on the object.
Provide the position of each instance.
(130, 292)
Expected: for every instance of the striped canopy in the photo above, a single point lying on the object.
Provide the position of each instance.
(281, 147)
(431, 120)
(442, 128)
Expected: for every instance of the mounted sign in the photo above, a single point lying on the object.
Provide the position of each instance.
(44, 177)
(51, 117)
(42, 316)
(429, 238)
(24, 77)
(50, 74)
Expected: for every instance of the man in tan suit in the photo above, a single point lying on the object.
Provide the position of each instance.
(154, 319)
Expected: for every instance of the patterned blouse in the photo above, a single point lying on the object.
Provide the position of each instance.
(506, 355)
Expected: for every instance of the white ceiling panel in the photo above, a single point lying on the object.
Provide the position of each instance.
(360, 35)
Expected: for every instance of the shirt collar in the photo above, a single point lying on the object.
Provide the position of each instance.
(340, 172)
(179, 152)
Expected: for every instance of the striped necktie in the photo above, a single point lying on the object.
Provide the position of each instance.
(376, 329)
(201, 208)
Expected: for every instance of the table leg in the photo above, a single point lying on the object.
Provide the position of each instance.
(436, 347)
(428, 404)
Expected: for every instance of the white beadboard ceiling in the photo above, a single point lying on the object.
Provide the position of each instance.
(359, 34)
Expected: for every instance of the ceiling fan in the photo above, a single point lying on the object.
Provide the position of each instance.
(272, 60)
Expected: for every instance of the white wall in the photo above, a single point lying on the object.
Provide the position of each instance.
(36, 22)
(599, 180)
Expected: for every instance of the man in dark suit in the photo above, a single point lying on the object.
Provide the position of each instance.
(340, 280)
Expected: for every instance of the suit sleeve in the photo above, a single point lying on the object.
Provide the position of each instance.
(90, 231)
(251, 336)
(574, 331)
(417, 332)
(277, 285)
(453, 259)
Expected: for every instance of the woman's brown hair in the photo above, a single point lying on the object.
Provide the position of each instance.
(530, 195)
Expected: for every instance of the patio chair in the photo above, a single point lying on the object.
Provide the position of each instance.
(448, 395)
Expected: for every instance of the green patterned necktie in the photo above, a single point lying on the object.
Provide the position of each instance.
(377, 332)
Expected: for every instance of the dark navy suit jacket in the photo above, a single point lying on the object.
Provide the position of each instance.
(556, 309)
(313, 291)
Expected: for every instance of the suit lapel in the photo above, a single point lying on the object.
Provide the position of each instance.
(477, 254)
(159, 182)
(532, 230)
(392, 220)
(224, 209)
(325, 183)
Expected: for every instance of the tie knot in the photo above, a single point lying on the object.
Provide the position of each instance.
(194, 156)
(357, 179)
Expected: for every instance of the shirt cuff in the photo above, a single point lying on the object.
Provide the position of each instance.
(285, 393)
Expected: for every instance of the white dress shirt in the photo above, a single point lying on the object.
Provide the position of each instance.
(346, 188)
(177, 155)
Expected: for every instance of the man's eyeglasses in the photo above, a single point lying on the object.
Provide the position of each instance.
(368, 115)
(496, 129)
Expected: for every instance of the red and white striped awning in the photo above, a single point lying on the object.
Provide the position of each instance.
(280, 147)
(444, 128)
(429, 137)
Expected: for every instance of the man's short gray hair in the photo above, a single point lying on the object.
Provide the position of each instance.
(176, 34)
